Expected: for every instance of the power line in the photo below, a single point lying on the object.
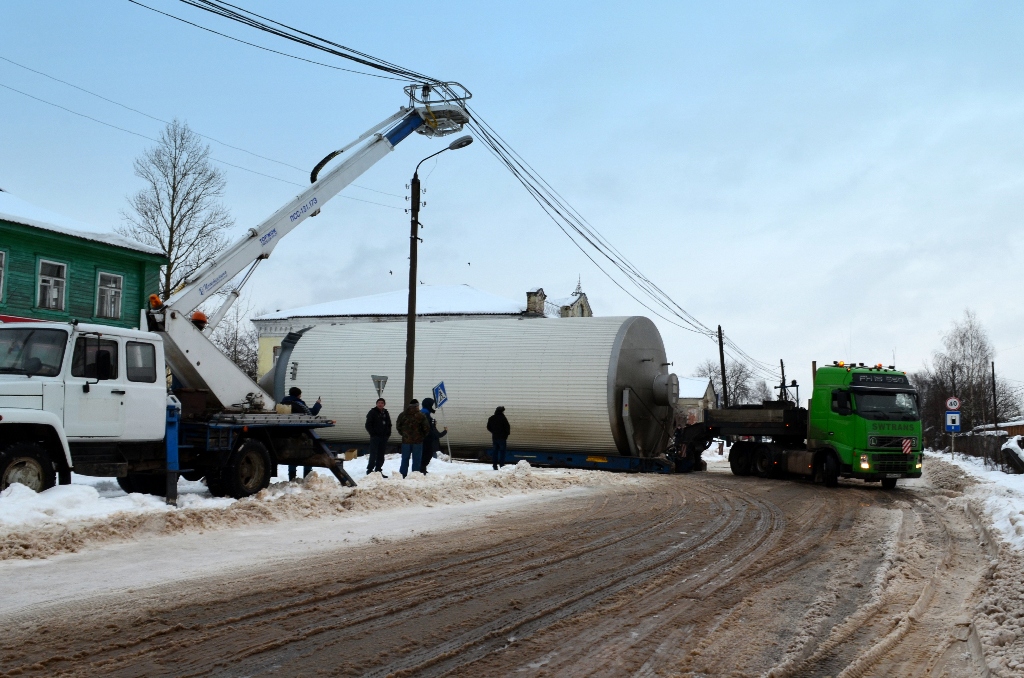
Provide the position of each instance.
(149, 138)
(265, 49)
(580, 232)
(205, 136)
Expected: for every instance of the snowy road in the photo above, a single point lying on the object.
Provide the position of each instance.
(704, 575)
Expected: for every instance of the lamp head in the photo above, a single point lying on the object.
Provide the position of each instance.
(461, 142)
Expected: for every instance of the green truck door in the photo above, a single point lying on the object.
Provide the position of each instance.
(840, 427)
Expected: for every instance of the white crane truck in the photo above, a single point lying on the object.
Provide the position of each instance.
(94, 399)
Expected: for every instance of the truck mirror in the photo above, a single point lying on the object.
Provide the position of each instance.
(102, 365)
(841, 402)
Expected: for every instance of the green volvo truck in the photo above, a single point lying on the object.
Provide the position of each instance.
(861, 422)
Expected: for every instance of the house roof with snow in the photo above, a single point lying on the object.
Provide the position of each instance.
(430, 300)
(693, 388)
(18, 211)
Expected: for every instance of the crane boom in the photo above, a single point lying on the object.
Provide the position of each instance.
(193, 358)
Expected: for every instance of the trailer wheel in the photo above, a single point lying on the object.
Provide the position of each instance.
(762, 465)
(739, 459)
(830, 469)
(248, 470)
(28, 464)
(888, 483)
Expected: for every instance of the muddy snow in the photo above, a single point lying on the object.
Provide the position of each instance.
(69, 518)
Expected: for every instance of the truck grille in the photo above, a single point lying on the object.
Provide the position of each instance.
(891, 463)
(889, 441)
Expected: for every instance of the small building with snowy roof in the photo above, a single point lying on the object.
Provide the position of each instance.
(696, 394)
(56, 268)
(434, 303)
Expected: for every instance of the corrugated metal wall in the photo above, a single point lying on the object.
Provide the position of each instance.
(552, 376)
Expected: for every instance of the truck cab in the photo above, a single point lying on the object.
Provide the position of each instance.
(868, 418)
(75, 396)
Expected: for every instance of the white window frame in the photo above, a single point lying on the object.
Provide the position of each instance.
(63, 288)
(120, 294)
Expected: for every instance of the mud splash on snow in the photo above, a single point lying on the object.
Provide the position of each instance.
(315, 496)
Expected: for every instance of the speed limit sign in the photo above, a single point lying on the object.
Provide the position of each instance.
(952, 403)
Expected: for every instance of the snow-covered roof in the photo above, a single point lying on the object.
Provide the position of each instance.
(19, 211)
(692, 387)
(430, 300)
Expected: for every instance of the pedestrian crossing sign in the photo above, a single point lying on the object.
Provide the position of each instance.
(440, 395)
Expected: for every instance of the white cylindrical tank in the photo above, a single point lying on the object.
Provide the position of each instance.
(561, 380)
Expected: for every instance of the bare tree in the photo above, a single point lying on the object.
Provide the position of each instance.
(178, 210)
(963, 368)
(744, 387)
(238, 339)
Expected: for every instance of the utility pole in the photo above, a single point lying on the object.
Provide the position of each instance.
(414, 238)
(782, 389)
(995, 401)
(721, 358)
(410, 325)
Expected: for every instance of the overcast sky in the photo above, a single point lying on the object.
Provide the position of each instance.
(826, 180)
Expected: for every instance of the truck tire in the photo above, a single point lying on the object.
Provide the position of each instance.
(144, 483)
(888, 483)
(762, 461)
(739, 459)
(830, 469)
(248, 470)
(28, 464)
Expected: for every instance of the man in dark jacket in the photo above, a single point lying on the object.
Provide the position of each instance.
(497, 424)
(413, 427)
(378, 425)
(432, 443)
(294, 398)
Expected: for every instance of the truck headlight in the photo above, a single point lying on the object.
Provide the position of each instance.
(918, 464)
(864, 461)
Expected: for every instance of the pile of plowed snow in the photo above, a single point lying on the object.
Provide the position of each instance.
(67, 518)
(1000, 495)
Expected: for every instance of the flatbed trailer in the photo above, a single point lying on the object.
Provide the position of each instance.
(584, 460)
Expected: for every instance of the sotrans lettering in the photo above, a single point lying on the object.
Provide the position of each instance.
(206, 287)
(267, 237)
(297, 214)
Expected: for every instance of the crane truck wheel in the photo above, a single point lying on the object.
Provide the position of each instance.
(248, 470)
(830, 469)
(144, 483)
(28, 464)
(888, 483)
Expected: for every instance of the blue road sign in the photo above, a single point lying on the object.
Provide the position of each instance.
(440, 395)
(952, 421)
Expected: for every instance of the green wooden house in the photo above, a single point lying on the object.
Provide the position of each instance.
(54, 268)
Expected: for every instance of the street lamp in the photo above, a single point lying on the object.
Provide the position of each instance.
(410, 329)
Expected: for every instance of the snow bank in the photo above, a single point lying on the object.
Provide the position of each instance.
(68, 518)
(1000, 495)
(21, 507)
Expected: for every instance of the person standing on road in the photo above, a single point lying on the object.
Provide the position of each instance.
(500, 430)
(294, 398)
(378, 425)
(413, 427)
(432, 443)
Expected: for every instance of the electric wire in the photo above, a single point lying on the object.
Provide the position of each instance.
(572, 224)
(214, 159)
(205, 136)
